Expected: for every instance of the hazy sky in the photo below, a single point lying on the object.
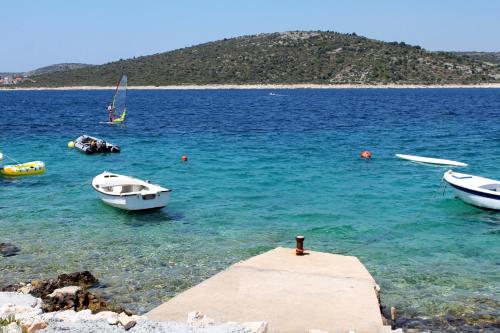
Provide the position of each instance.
(38, 33)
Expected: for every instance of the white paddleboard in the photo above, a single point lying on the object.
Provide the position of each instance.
(431, 160)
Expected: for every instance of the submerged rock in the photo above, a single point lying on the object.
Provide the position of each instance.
(8, 250)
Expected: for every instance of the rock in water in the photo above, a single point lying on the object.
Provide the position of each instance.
(66, 292)
(73, 298)
(8, 250)
(87, 300)
(45, 287)
(71, 290)
(83, 279)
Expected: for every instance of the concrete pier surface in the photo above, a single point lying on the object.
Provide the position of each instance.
(292, 293)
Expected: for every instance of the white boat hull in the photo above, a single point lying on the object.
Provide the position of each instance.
(476, 200)
(136, 202)
(476, 191)
(129, 193)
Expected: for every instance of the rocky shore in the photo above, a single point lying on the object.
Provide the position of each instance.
(65, 304)
(265, 86)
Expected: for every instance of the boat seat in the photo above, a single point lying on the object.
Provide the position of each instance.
(491, 187)
(461, 177)
(117, 189)
(127, 188)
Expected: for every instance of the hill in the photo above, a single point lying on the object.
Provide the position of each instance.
(48, 69)
(287, 58)
(56, 68)
(491, 57)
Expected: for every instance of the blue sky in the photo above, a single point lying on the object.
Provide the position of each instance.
(37, 33)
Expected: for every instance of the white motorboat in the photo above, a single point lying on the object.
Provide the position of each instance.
(430, 160)
(129, 193)
(477, 191)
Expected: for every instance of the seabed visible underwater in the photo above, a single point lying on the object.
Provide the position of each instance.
(262, 169)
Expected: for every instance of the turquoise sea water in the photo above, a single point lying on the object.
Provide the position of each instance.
(262, 169)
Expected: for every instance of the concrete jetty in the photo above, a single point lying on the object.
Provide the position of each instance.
(321, 291)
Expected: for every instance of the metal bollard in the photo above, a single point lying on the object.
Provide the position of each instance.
(299, 250)
(393, 317)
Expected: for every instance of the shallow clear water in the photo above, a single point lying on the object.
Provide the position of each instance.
(262, 169)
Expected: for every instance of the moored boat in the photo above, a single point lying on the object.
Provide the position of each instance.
(474, 190)
(90, 145)
(23, 169)
(129, 193)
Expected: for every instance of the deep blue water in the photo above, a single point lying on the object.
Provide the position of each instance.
(262, 169)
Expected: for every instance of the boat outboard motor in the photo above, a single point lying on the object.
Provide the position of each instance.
(114, 149)
(101, 145)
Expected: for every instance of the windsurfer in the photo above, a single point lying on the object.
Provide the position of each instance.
(111, 113)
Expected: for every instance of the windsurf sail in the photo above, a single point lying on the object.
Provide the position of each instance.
(119, 103)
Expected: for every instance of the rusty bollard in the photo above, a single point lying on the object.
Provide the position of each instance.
(299, 250)
(393, 317)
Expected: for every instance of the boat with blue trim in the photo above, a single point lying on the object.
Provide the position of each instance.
(129, 193)
(474, 190)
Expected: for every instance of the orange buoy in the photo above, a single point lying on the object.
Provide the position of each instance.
(366, 154)
(184, 158)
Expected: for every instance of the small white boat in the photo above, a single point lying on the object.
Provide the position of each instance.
(430, 160)
(477, 191)
(129, 193)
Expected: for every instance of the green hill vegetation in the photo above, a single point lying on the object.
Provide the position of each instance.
(56, 68)
(491, 57)
(287, 58)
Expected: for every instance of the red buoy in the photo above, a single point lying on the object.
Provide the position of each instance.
(366, 154)
(184, 158)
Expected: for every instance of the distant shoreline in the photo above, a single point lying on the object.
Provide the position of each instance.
(266, 86)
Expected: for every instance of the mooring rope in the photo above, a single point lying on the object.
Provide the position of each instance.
(10, 158)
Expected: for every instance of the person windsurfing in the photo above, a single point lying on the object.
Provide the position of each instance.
(117, 108)
(111, 113)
